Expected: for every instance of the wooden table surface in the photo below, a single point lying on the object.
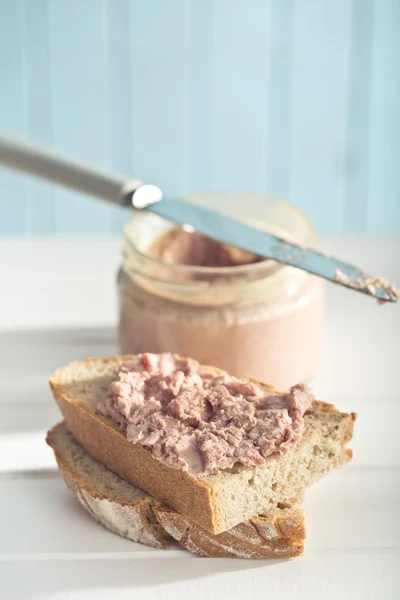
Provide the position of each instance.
(58, 303)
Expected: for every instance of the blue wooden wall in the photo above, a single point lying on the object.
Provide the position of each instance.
(297, 98)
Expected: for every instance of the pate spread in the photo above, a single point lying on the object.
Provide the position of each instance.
(368, 283)
(183, 247)
(194, 420)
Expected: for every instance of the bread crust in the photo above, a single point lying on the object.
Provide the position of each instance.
(193, 497)
(261, 537)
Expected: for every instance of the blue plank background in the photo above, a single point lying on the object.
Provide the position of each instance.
(297, 99)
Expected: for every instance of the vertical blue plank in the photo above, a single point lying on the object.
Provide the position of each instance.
(384, 182)
(199, 126)
(159, 92)
(298, 99)
(321, 53)
(118, 97)
(40, 207)
(239, 87)
(279, 99)
(76, 48)
(357, 163)
(12, 186)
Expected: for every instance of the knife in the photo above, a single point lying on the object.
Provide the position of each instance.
(132, 193)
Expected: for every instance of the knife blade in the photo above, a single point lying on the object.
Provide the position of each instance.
(237, 233)
(45, 163)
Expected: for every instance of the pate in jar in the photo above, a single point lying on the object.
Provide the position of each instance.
(184, 293)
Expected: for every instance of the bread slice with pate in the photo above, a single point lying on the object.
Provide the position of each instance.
(217, 501)
(124, 509)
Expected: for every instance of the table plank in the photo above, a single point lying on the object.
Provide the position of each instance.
(330, 576)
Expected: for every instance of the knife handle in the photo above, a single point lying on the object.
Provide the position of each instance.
(46, 164)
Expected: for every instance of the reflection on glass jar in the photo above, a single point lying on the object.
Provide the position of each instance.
(257, 319)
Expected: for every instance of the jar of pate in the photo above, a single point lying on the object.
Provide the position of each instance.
(254, 319)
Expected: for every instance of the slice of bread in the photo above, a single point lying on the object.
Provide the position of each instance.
(279, 534)
(215, 502)
(124, 509)
(119, 506)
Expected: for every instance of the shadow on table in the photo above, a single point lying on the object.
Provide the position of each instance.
(123, 578)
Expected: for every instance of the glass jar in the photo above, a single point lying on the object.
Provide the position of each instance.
(260, 320)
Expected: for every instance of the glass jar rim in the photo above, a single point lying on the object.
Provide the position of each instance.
(202, 270)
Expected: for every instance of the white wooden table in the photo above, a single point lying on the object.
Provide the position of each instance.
(57, 303)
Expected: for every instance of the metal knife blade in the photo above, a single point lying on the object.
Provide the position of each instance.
(43, 162)
(267, 245)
